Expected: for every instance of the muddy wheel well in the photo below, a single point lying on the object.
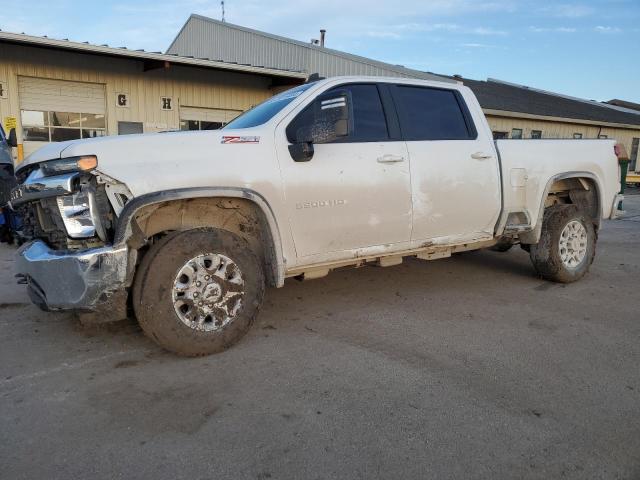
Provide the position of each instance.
(577, 191)
(236, 215)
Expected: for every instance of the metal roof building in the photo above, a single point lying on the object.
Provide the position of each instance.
(205, 37)
(496, 96)
(55, 90)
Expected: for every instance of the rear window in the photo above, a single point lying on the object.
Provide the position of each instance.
(433, 114)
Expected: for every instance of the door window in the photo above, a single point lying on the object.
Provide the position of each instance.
(433, 114)
(368, 119)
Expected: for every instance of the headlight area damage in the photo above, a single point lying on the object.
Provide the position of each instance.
(69, 262)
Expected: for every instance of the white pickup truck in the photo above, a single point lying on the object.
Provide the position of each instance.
(185, 229)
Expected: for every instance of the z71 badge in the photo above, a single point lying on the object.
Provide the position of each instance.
(239, 139)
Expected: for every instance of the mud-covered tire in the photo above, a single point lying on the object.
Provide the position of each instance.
(154, 291)
(546, 255)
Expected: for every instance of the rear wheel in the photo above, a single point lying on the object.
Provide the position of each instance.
(198, 292)
(567, 244)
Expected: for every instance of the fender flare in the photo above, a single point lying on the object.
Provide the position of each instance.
(534, 235)
(124, 231)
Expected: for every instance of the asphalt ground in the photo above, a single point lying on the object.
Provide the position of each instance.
(468, 367)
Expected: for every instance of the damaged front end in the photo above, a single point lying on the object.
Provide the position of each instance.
(69, 262)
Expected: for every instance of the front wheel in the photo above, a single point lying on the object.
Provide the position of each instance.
(567, 244)
(198, 292)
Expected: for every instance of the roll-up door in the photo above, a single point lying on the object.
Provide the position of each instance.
(58, 110)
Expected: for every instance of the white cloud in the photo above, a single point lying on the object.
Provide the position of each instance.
(486, 31)
(607, 29)
(553, 29)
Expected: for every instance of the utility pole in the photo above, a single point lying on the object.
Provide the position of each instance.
(222, 5)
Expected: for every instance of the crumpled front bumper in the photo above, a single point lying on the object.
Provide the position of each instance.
(89, 280)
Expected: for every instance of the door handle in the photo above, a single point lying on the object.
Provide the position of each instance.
(388, 158)
(480, 156)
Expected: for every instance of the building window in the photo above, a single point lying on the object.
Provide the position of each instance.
(500, 135)
(40, 126)
(200, 125)
(577, 136)
(536, 133)
(634, 154)
(516, 133)
(602, 137)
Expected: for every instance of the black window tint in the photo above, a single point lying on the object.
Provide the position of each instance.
(368, 123)
(432, 114)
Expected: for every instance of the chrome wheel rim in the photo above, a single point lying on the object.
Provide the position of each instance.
(573, 244)
(208, 291)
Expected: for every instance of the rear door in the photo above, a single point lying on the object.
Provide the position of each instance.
(455, 179)
(355, 192)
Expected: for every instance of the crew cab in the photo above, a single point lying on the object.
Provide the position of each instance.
(184, 230)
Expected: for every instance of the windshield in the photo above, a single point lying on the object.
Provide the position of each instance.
(266, 110)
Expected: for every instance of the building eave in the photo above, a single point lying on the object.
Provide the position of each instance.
(45, 42)
(578, 121)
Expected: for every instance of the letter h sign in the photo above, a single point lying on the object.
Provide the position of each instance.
(166, 103)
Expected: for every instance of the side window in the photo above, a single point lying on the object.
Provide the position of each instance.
(433, 114)
(368, 122)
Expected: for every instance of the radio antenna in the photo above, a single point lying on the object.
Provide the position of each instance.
(222, 5)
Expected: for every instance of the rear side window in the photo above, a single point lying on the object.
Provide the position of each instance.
(433, 114)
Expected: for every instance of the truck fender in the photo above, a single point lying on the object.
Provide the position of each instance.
(533, 236)
(124, 229)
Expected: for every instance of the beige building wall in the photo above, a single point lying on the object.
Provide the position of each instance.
(187, 86)
(562, 129)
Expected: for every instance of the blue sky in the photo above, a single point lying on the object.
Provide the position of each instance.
(588, 49)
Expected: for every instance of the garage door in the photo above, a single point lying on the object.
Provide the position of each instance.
(58, 110)
(198, 118)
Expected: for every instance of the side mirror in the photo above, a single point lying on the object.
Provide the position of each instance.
(301, 151)
(12, 139)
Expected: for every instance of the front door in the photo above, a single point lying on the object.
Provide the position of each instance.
(454, 170)
(354, 193)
